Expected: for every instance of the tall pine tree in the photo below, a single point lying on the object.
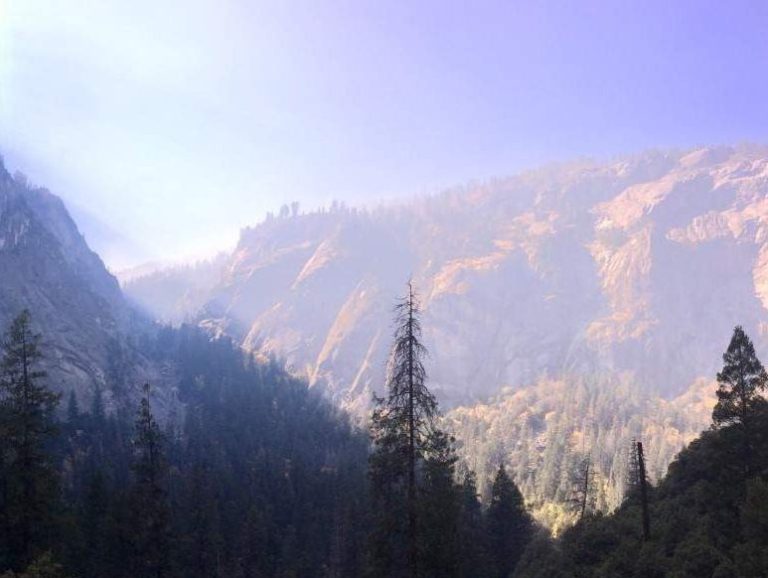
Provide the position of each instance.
(150, 498)
(472, 536)
(439, 511)
(740, 384)
(406, 442)
(29, 480)
(509, 525)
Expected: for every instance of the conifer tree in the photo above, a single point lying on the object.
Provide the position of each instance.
(472, 538)
(439, 511)
(97, 407)
(73, 410)
(150, 495)
(94, 524)
(581, 482)
(643, 483)
(752, 555)
(741, 381)
(202, 538)
(29, 479)
(509, 525)
(632, 477)
(740, 384)
(403, 431)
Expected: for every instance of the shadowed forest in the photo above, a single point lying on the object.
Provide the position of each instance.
(252, 474)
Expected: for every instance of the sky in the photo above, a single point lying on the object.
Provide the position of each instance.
(168, 125)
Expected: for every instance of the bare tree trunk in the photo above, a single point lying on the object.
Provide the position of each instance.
(643, 492)
(746, 449)
(585, 490)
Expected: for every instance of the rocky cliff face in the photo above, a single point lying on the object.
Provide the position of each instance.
(622, 281)
(639, 267)
(76, 305)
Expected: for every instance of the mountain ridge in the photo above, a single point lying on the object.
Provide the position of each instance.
(613, 286)
(586, 228)
(88, 328)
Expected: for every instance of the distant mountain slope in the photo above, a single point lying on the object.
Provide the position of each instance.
(706, 521)
(641, 266)
(75, 303)
(611, 288)
(173, 294)
(545, 432)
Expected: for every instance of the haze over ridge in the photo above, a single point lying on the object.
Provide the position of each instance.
(182, 122)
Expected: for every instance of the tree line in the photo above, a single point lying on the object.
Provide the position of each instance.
(427, 520)
(251, 474)
(705, 518)
(248, 474)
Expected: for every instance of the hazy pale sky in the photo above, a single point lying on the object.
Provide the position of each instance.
(169, 124)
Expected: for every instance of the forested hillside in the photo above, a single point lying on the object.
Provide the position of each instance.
(545, 433)
(566, 309)
(248, 472)
(576, 269)
(706, 518)
(251, 474)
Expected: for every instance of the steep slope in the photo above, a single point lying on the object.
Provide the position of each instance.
(706, 521)
(621, 281)
(547, 430)
(173, 294)
(640, 266)
(75, 303)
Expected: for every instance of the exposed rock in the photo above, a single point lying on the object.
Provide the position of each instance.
(641, 266)
(77, 306)
(621, 281)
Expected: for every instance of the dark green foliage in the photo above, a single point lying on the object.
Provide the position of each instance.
(706, 523)
(96, 523)
(643, 481)
(709, 513)
(259, 478)
(509, 525)
(741, 382)
(250, 475)
(439, 507)
(542, 558)
(261, 470)
(149, 496)
(472, 548)
(751, 555)
(29, 481)
(415, 500)
(403, 428)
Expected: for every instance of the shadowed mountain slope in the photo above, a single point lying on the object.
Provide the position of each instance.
(47, 268)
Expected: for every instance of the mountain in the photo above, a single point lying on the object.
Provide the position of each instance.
(259, 476)
(641, 266)
(618, 281)
(76, 304)
(251, 473)
(173, 293)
